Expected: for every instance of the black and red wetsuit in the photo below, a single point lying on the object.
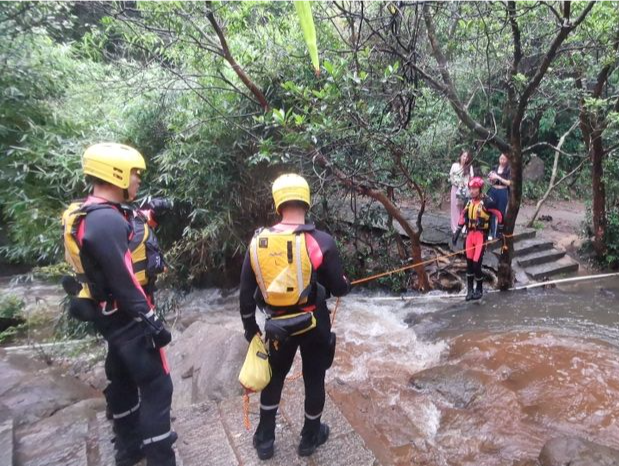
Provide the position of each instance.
(139, 393)
(315, 350)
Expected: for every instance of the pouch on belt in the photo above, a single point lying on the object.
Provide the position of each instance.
(283, 327)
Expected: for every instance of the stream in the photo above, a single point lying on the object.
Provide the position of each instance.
(437, 381)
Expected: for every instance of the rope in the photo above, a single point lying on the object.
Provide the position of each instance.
(428, 261)
(246, 421)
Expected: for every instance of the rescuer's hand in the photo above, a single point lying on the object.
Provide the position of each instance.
(251, 328)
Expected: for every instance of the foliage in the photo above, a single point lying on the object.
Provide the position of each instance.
(11, 306)
(611, 173)
(155, 75)
(11, 313)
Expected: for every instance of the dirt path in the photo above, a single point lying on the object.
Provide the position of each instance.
(563, 222)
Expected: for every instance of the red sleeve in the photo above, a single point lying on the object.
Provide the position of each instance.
(497, 213)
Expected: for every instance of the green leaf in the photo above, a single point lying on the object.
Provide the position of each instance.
(304, 12)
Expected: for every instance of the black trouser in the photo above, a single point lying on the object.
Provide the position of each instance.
(139, 396)
(315, 356)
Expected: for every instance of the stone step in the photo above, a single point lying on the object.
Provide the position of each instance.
(345, 446)
(563, 266)
(6, 442)
(541, 257)
(214, 434)
(66, 447)
(201, 436)
(519, 237)
(241, 439)
(100, 441)
(530, 246)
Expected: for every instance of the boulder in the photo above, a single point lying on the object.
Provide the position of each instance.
(534, 170)
(205, 361)
(58, 439)
(460, 387)
(31, 390)
(575, 451)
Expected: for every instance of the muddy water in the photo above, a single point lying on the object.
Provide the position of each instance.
(502, 377)
(440, 382)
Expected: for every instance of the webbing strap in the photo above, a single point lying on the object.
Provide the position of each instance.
(259, 279)
(299, 265)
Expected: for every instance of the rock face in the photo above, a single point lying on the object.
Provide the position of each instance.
(458, 386)
(58, 439)
(575, 451)
(30, 390)
(205, 364)
(534, 170)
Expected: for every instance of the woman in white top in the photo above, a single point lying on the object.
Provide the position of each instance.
(459, 176)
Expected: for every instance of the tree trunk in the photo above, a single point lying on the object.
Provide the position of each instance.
(423, 281)
(505, 275)
(392, 210)
(390, 207)
(598, 211)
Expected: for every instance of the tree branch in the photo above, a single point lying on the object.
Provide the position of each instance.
(450, 91)
(565, 30)
(235, 66)
(555, 167)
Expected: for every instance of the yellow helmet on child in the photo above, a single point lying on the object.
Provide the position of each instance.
(112, 162)
(290, 187)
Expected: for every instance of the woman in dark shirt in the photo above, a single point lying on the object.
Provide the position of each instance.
(500, 178)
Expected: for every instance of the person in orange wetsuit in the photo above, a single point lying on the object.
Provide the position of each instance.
(476, 222)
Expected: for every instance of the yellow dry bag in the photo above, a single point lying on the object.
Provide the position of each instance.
(256, 371)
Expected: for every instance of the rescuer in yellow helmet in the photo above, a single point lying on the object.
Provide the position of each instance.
(97, 235)
(290, 270)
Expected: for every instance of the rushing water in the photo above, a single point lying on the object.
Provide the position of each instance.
(508, 374)
(442, 382)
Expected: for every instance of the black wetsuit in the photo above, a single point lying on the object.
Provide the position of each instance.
(315, 350)
(139, 393)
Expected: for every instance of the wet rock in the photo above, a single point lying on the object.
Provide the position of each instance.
(608, 293)
(205, 361)
(6, 442)
(534, 170)
(526, 462)
(575, 451)
(59, 439)
(31, 390)
(460, 387)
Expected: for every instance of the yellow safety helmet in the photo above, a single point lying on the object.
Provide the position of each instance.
(290, 187)
(112, 163)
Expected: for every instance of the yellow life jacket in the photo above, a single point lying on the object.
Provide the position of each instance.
(71, 220)
(478, 216)
(141, 245)
(282, 266)
(139, 257)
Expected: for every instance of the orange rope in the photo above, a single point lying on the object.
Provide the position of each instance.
(418, 264)
(246, 421)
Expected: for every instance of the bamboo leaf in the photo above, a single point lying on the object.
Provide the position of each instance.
(304, 11)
